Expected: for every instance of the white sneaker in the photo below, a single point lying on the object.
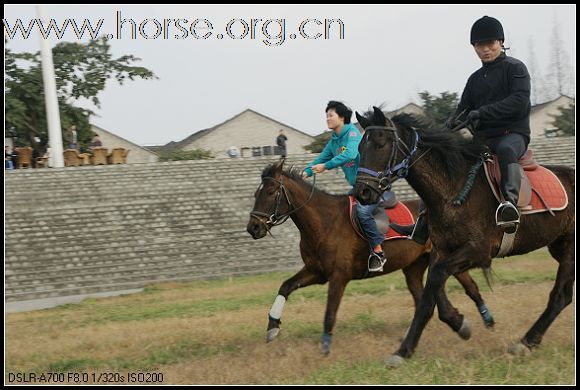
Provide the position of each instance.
(376, 261)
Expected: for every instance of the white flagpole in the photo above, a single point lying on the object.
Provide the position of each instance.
(51, 101)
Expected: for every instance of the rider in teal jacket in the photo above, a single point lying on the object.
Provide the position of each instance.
(341, 151)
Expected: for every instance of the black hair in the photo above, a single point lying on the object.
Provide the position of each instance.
(340, 109)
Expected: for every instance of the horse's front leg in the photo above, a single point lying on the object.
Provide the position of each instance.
(448, 313)
(303, 278)
(336, 286)
(414, 276)
(433, 291)
(472, 290)
(451, 316)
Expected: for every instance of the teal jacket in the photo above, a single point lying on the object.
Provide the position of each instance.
(341, 151)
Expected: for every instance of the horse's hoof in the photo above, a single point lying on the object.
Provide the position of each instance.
(465, 331)
(518, 349)
(394, 361)
(325, 344)
(487, 317)
(489, 323)
(272, 334)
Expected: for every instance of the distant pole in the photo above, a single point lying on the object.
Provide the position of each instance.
(50, 99)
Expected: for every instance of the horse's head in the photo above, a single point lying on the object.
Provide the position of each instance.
(384, 156)
(272, 203)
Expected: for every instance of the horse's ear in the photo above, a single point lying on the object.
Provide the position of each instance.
(280, 165)
(379, 115)
(364, 122)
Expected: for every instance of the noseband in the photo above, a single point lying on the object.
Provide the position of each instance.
(393, 171)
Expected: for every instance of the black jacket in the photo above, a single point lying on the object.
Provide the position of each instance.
(500, 91)
(281, 141)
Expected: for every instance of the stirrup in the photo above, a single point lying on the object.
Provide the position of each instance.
(381, 261)
(511, 225)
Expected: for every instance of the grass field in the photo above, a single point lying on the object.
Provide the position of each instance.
(213, 332)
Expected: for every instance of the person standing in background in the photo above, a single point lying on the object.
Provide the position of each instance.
(96, 141)
(73, 137)
(281, 142)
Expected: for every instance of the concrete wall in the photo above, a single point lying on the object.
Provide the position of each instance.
(81, 230)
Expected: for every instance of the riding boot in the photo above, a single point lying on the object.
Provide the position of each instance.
(507, 215)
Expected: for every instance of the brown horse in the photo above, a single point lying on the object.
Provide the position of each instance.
(436, 164)
(332, 251)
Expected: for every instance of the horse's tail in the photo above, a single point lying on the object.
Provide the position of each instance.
(487, 274)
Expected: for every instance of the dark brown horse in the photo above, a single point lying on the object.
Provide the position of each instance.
(435, 164)
(331, 250)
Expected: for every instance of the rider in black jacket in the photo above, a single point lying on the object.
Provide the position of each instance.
(498, 96)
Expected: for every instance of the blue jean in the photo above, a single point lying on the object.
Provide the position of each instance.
(367, 221)
(368, 224)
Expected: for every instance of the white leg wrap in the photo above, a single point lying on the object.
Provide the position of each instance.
(277, 307)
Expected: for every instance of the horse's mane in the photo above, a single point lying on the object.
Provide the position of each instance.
(452, 147)
(453, 150)
(294, 173)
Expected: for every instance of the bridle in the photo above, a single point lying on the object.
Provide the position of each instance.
(393, 171)
(273, 219)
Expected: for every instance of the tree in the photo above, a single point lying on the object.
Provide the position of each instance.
(81, 71)
(565, 121)
(538, 89)
(319, 142)
(560, 79)
(438, 109)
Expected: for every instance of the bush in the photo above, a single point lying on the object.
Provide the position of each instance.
(565, 121)
(319, 142)
(179, 155)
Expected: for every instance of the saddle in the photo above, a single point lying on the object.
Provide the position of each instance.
(540, 189)
(387, 212)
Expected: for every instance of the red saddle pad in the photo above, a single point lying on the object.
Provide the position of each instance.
(400, 214)
(543, 182)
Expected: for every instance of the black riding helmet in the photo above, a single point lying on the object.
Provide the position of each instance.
(486, 29)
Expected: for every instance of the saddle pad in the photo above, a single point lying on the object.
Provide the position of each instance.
(400, 214)
(543, 182)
